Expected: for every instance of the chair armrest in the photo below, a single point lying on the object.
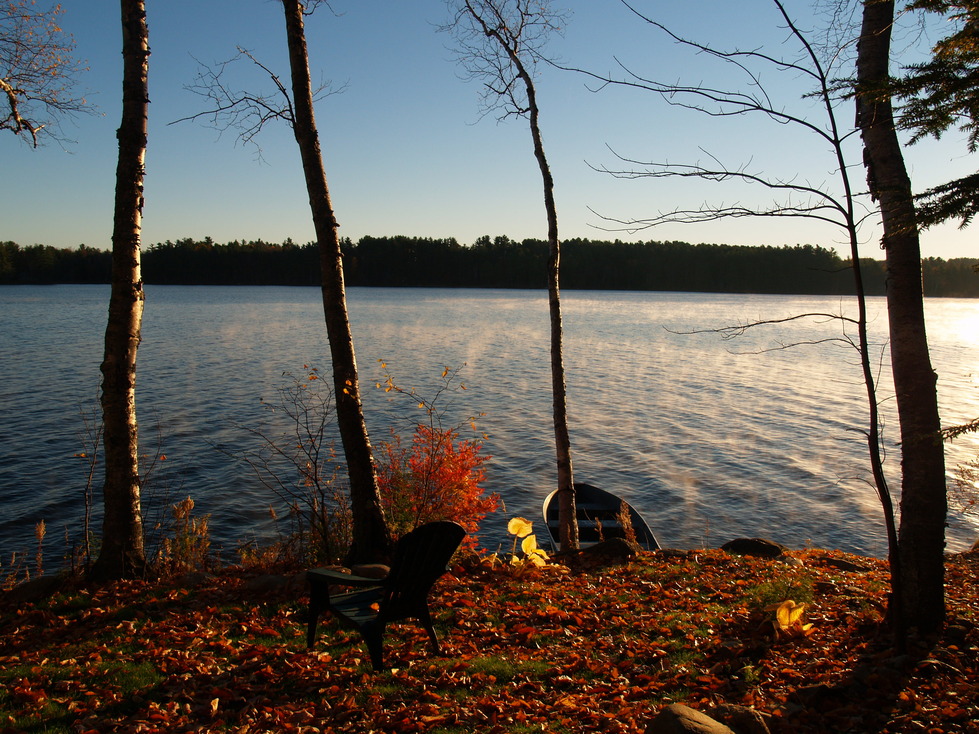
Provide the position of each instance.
(338, 578)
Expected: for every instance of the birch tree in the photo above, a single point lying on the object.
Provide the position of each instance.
(294, 104)
(841, 205)
(916, 548)
(371, 541)
(500, 43)
(122, 553)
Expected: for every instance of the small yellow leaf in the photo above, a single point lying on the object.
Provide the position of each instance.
(520, 527)
(795, 613)
(529, 544)
(788, 617)
(537, 560)
(783, 613)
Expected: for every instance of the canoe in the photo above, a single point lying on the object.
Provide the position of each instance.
(597, 508)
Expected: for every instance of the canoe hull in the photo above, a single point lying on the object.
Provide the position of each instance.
(598, 514)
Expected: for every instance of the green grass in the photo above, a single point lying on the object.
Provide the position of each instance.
(50, 718)
(766, 594)
(44, 716)
(511, 729)
(506, 669)
(130, 677)
(681, 655)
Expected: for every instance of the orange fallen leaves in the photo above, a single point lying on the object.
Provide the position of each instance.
(590, 652)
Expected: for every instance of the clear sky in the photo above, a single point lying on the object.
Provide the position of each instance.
(406, 149)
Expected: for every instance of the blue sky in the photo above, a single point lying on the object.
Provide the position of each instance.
(406, 149)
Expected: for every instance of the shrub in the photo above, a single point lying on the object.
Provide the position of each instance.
(297, 462)
(437, 477)
(963, 491)
(189, 547)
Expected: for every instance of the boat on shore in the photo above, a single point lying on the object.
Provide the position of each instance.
(601, 516)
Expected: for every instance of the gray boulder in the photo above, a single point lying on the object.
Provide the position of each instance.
(679, 719)
(754, 547)
(742, 719)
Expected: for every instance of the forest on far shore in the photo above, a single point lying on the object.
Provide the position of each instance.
(497, 262)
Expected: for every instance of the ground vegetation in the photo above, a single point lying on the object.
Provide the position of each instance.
(551, 650)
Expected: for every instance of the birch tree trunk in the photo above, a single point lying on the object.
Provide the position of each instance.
(567, 510)
(501, 41)
(921, 537)
(371, 540)
(122, 553)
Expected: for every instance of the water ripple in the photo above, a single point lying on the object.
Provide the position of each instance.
(708, 444)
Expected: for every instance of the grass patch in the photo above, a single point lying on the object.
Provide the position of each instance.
(129, 677)
(799, 590)
(505, 669)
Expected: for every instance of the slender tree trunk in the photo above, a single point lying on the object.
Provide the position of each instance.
(371, 540)
(567, 510)
(122, 553)
(874, 444)
(921, 537)
(512, 42)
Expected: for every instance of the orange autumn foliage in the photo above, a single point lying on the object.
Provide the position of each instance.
(437, 477)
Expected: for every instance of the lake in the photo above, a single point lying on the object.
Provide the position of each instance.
(709, 439)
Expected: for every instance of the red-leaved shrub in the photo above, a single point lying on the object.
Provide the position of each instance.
(437, 477)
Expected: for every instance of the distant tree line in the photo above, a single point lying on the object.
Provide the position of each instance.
(497, 262)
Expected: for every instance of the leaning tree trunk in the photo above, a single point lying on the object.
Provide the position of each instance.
(122, 554)
(371, 540)
(567, 512)
(921, 538)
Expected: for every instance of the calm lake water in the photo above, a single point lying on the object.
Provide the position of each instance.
(708, 439)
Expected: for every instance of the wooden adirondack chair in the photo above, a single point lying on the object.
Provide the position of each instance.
(419, 558)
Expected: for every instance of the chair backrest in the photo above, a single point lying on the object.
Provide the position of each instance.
(419, 558)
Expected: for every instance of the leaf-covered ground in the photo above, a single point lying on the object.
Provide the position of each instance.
(555, 652)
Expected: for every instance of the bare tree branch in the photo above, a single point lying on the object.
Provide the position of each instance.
(500, 42)
(794, 198)
(519, 29)
(38, 71)
(247, 112)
